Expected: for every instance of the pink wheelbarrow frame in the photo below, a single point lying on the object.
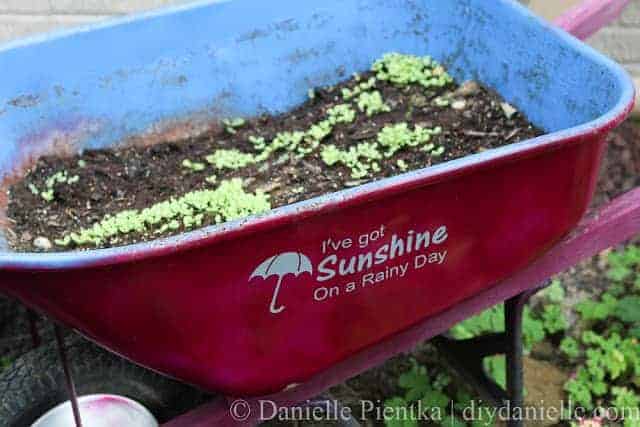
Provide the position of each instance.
(612, 224)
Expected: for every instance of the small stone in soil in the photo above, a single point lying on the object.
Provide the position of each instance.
(509, 110)
(42, 243)
(458, 105)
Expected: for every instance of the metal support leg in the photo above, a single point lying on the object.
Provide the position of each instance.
(466, 357)
(71, 388)
(513, 310)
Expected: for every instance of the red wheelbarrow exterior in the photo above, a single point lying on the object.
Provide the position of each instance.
(255, 306)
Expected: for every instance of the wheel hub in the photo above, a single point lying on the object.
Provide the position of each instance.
(99, 410)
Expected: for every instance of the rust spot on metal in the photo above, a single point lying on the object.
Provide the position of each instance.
(172, 131)
(179, 129)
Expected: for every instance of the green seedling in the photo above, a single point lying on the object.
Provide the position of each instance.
(371, 103)
(361, 159)
(193, 166)
(61, 177)
(47, 195)
(288, 141)
(317, 133)
(428, 147)
(230, 159)
(258, 142)
(437, 152)
(348, 94)
(227, 202)
(441, 101)
(402, 165)
(232, 124)
(82, 164)
(341, 113)
(403, 70)
(394, 138)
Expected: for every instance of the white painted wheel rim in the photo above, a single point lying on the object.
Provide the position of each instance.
(99, 410)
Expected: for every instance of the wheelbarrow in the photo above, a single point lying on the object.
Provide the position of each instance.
(267, 307)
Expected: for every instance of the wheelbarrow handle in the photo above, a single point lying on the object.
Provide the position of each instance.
(588, 17)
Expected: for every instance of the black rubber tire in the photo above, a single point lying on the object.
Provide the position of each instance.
(35, 383)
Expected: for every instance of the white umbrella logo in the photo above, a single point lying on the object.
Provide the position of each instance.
(280, 265)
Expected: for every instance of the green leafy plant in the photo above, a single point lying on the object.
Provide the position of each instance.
(554, 293)
(428, 396)
(608, 361)
(570, 347)
(492, 321)
(537, 325)
(591, 310)
(607, 353)
(554, 319)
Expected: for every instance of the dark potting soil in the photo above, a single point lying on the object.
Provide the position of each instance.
(110, 181)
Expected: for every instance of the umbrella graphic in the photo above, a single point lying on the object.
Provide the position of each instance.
(280, 265)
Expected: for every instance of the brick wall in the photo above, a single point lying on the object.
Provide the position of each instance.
(622, 39)
(19, 18)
